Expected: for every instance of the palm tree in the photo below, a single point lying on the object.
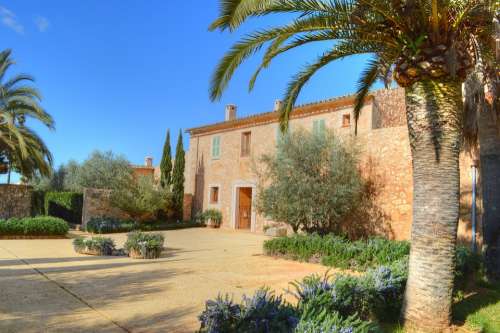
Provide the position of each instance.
(21, 149)
(428, 47)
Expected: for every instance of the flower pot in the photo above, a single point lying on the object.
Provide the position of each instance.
(145, 253)
(92, 252)
(212, 224)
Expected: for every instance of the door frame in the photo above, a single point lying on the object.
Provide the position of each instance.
(235, 203)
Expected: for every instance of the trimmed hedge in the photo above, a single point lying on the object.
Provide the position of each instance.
(106, 225)
(337, 251)
(65, 205)
(34, 226)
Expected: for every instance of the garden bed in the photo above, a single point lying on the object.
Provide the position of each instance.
(337, 251)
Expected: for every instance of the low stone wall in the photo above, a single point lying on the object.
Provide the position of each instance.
(96, 203)
(15, 201)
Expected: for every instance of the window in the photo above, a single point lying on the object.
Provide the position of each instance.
(246, 139)
(216, 147)
(346, 120)
(214, 195)
(319, 126)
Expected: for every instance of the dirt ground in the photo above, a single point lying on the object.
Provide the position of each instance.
(46, 287)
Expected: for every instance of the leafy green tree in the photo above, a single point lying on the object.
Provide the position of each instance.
(178, 177)
(142, 199)
(166, 163)
(428, 48)
(21, 149)
(103, 170)
(312, 182)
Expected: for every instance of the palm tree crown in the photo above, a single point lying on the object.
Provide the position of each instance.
(22, 147)
(409, 41)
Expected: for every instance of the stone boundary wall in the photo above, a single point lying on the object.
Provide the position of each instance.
(386, 156)
(96, 203)
(15, 201)
(389, 108)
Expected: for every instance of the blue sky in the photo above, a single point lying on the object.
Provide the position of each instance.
(117, 74)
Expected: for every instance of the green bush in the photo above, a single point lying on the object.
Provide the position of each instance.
(142, 199)
(65, 205)
(337, 251)
(107, 225)
(149, 246)
(95, 245)
(34, 226)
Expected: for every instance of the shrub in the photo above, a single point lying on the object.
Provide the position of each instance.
(147, 246)
(334, 323)
(337, 251)
(108, 225)
(467, 265)
(262, 313)
(65, 205)
(142, 198)
(265, 312)
(34, 226)
(213, 215)
(220, 316)
(95, 245)
(313, 182)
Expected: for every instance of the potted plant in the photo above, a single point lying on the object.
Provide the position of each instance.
(140, 245)
(213, 218)
(96, 246)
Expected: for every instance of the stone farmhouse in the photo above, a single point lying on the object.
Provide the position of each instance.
(221, 159)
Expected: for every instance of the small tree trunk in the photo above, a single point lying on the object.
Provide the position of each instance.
(9, 172)
(434, 124)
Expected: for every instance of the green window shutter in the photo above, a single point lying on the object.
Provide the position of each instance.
(319, 127)
(322, 127)
(216, 147)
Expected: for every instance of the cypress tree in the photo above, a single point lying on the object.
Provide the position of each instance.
(178, 177)
(166, 163)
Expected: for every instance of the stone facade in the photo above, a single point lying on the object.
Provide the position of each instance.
(15, 201)
(96, 203)
(382, 138)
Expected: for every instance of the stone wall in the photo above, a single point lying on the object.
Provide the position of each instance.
(389, 108)
(15, 201)
(96, 203)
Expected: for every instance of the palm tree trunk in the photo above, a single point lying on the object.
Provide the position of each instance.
(434, 123)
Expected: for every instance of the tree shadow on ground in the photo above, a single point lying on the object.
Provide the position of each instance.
(46, 300)
(474, 302)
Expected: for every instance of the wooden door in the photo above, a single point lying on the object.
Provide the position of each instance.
(245, 208)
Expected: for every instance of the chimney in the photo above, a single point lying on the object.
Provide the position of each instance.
(230, 112)
(278, 104)
(148, 161)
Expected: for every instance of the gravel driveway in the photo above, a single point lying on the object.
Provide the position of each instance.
(46, 287)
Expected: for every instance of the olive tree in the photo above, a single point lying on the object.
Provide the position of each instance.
(311, 182)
